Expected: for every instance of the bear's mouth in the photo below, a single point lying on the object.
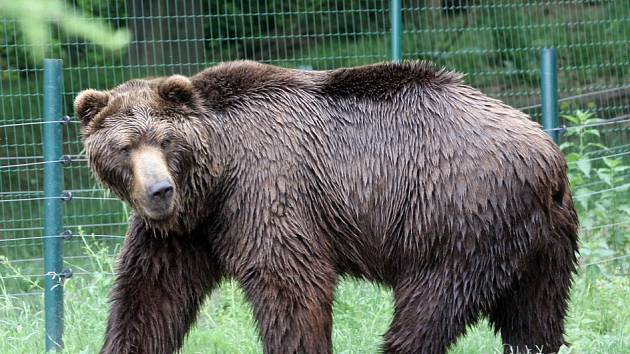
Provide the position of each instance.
(159, 212)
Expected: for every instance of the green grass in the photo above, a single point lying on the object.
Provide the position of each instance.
(598, 322)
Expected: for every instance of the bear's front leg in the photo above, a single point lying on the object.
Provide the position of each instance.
(161, 283)
(289, 282)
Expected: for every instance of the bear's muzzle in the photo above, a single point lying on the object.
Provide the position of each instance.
(153, 190)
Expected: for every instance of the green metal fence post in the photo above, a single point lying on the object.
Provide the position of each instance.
(53, 212)
(549, 92)
(395, 19)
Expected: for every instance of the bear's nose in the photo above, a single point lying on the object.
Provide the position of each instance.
(160, 190)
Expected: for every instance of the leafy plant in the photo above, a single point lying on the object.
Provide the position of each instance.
(34, 17)
(598, 179)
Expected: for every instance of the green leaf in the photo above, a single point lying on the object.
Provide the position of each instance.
(583, 195)
(597, 145)
(593, 121)
(572, 157)
(622, 168)
(594, 132)
(576, 180)
(604, 175)
(611, 162)
(584, 164)
(571, 118)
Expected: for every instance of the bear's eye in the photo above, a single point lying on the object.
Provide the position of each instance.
(165, 143)
(125, 149)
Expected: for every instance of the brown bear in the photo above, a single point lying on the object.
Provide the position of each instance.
(287, 180)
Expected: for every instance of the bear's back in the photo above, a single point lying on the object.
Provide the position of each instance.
(229, 82)
(373, 116)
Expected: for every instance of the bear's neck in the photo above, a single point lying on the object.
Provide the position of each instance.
(208, 182)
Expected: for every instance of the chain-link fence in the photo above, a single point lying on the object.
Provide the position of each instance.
(495, 43)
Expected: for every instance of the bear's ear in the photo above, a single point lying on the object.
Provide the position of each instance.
(176, 88)
(88, 104)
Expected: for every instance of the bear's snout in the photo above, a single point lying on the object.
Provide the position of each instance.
(159, 196)
(160, 191)
(154, 190)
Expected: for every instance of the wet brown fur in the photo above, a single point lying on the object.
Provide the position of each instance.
(287, 180)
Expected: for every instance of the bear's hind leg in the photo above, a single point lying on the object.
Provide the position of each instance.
(531, 314)
(430, 314)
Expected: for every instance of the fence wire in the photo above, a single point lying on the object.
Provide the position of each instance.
(496, 44)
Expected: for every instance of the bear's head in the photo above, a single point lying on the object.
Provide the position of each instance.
(137, 139)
